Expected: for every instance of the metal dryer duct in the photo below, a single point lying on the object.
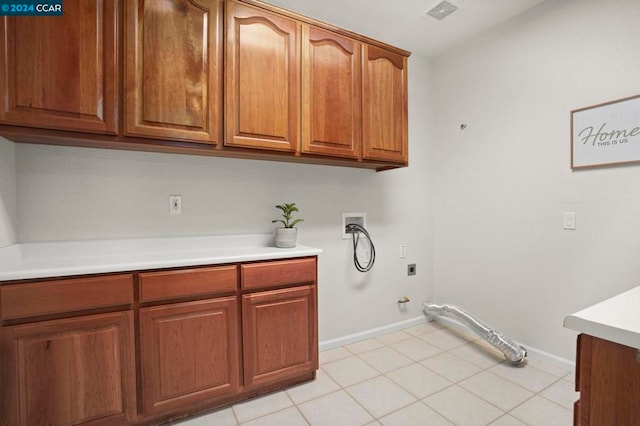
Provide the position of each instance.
(511, 350)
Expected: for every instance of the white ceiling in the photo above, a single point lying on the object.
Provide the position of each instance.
(401, 23)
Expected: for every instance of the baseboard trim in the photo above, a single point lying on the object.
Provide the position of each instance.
(368, 334)
(532, 352)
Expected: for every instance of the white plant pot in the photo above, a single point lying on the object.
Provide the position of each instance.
(286, 237)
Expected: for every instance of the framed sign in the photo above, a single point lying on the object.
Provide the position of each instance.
(606, 134)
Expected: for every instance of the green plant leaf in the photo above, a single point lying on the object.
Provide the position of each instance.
(287, 211)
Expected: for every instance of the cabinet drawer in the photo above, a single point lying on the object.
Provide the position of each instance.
(187, 283)
(68, 295)
(269, 274)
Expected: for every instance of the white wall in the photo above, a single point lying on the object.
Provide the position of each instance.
(503, 182)
(8, 204)
(491, 196)
(74, 193)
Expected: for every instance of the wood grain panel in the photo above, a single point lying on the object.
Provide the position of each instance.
(69, 371)
(165, 285)
(614, 394)
(189, 353)
(61, 72)
(583, 379)
(279, 334)
(384, 103)
(262, 82)
(68, 295)
(331, 94)
(608, 379)
(277, 273)
(174, 69)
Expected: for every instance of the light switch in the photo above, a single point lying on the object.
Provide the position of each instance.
(569, 220)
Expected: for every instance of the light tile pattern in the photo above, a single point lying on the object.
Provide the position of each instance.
(462, 407)
(380, 396)
(422, 375)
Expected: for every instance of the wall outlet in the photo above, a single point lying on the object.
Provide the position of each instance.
(175, 204)
(411, 269)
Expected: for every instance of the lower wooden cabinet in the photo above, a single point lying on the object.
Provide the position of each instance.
(279, 334)
(608, 379)
(189, 353)
(185, 341)
(69, 371)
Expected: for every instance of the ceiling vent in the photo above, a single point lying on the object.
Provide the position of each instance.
(442, 10)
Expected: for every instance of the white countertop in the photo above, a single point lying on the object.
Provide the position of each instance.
(616, 319)
(64, 258)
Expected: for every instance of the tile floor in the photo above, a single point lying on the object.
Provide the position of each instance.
(423, 375)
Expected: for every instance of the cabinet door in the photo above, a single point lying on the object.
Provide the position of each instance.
(262, 83)
(189, 353)
(69, 371)
(331, 87)
(279, 334)
(384, 105)
(608, 378)
(173, 69)
(61, 72)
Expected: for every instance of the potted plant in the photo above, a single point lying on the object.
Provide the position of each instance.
(287, 235)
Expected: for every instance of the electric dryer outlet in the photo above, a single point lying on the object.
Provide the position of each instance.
(411, 269)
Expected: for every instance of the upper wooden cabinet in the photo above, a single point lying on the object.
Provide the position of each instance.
(61, 72)
(384, 118)
(234, 78)
(352, 97)
(331, 94)
(173, 69)
(262, 81)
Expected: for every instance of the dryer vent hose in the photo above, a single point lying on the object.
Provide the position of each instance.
(511, 350)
